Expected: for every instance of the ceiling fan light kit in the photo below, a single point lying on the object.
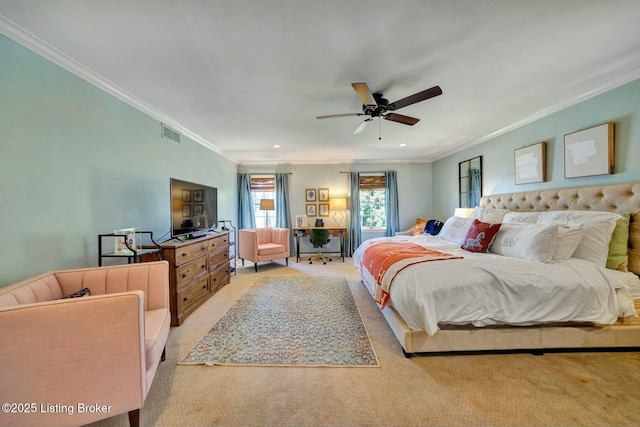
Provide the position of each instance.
(374, 105)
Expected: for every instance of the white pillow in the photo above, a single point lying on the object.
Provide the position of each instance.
(534, 242)
(569, 237)
(520, 218)
(598, 228)
(455, 229)
(489, 215)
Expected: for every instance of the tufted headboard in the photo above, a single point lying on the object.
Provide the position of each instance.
(612, 198)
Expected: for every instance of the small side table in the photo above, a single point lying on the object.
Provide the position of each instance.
(150, 252)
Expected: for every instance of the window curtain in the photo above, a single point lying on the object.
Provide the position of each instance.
(391, 202)
(283, 210)
(246, 219)
(355, 237)
(476, 187)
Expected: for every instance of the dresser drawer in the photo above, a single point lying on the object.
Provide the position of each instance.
(189, 271)
(219, 277)
(218, 242)
(192, 295)
(190, 252)
(218, 258)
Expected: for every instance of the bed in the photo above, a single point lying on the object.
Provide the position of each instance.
(447, 299)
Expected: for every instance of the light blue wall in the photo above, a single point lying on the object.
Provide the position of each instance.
(75, 162)
(621, 106)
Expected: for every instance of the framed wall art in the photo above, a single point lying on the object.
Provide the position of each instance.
(529, 163)
(589, 152)
(323, 209)
(311, 209)
(323, 194)
(310, 195)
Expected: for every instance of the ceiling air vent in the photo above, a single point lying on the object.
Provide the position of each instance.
(169, 133)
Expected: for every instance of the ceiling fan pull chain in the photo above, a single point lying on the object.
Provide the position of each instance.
(380, 129)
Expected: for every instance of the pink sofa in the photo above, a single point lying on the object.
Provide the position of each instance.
(263, 244)
(78, 360)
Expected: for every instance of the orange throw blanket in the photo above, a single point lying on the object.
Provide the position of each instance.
(379, 257)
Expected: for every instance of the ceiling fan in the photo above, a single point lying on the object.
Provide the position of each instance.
(374, 105)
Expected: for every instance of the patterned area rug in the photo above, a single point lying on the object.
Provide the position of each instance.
(289, 321)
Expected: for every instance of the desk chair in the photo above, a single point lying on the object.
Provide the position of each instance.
(319, 238)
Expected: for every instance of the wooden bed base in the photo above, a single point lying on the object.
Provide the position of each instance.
(624, 335)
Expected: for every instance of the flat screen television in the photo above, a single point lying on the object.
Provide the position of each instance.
(194, 207)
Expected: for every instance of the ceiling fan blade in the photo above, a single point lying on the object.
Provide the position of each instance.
(416, 97)
(362, 126)
(364, 93)
(335, 116)
(405, 120)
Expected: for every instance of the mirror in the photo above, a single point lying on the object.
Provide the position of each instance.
(470, 182)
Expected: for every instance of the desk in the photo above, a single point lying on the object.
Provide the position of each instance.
(340, 232)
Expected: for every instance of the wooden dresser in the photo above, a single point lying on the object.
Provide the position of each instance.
(197, 269)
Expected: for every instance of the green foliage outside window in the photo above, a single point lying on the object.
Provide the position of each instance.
(372, 208)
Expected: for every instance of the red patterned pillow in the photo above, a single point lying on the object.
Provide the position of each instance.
(418, 227)
(480, 236)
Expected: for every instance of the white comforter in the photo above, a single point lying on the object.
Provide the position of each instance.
(489, 289)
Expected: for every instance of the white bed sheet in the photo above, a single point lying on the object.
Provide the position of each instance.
(489, 289)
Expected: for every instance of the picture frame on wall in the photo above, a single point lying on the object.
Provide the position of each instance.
(311, 209)
(186, 195)
(529, 163)
(589, 152)
(323, 209)
(323, 194)
(198, 196)
(310, 195)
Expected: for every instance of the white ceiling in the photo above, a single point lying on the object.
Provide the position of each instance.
(243, 75)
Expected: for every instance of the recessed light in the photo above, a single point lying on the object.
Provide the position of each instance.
(402, 145)
(276, 146)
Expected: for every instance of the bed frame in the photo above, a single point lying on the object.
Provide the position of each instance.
(624, 335)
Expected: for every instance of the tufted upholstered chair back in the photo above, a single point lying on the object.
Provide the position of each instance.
(611, 198)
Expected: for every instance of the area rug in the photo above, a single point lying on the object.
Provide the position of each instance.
(289, 321)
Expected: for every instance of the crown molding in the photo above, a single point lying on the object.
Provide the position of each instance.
(42, 48)
(633, 73)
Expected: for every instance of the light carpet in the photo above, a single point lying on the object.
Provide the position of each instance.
(289, 321)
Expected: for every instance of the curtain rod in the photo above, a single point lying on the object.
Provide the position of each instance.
(368, 171)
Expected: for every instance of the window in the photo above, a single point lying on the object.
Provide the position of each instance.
(470, 182)
(263, 187)
(372, 192)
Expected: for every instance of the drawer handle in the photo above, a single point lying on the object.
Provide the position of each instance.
(204, 286)
(184, 299)
(203, 266)
(184, 276)
(203, 248)
(184, 254)
(214, 279)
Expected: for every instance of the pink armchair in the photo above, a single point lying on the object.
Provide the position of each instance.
(88, 358)
(263, 244)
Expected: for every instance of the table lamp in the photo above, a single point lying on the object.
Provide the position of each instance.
(462, 212)
(338, 205)
(267, 205)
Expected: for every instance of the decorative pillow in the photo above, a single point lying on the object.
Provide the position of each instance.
(569, 237)
(81, 293)
(433, 227)
(618, 258)
(527, 241)
(520, 218)
(480, 236)
(418, 227)
(598, 228)
(455, 229)
(488, 214)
